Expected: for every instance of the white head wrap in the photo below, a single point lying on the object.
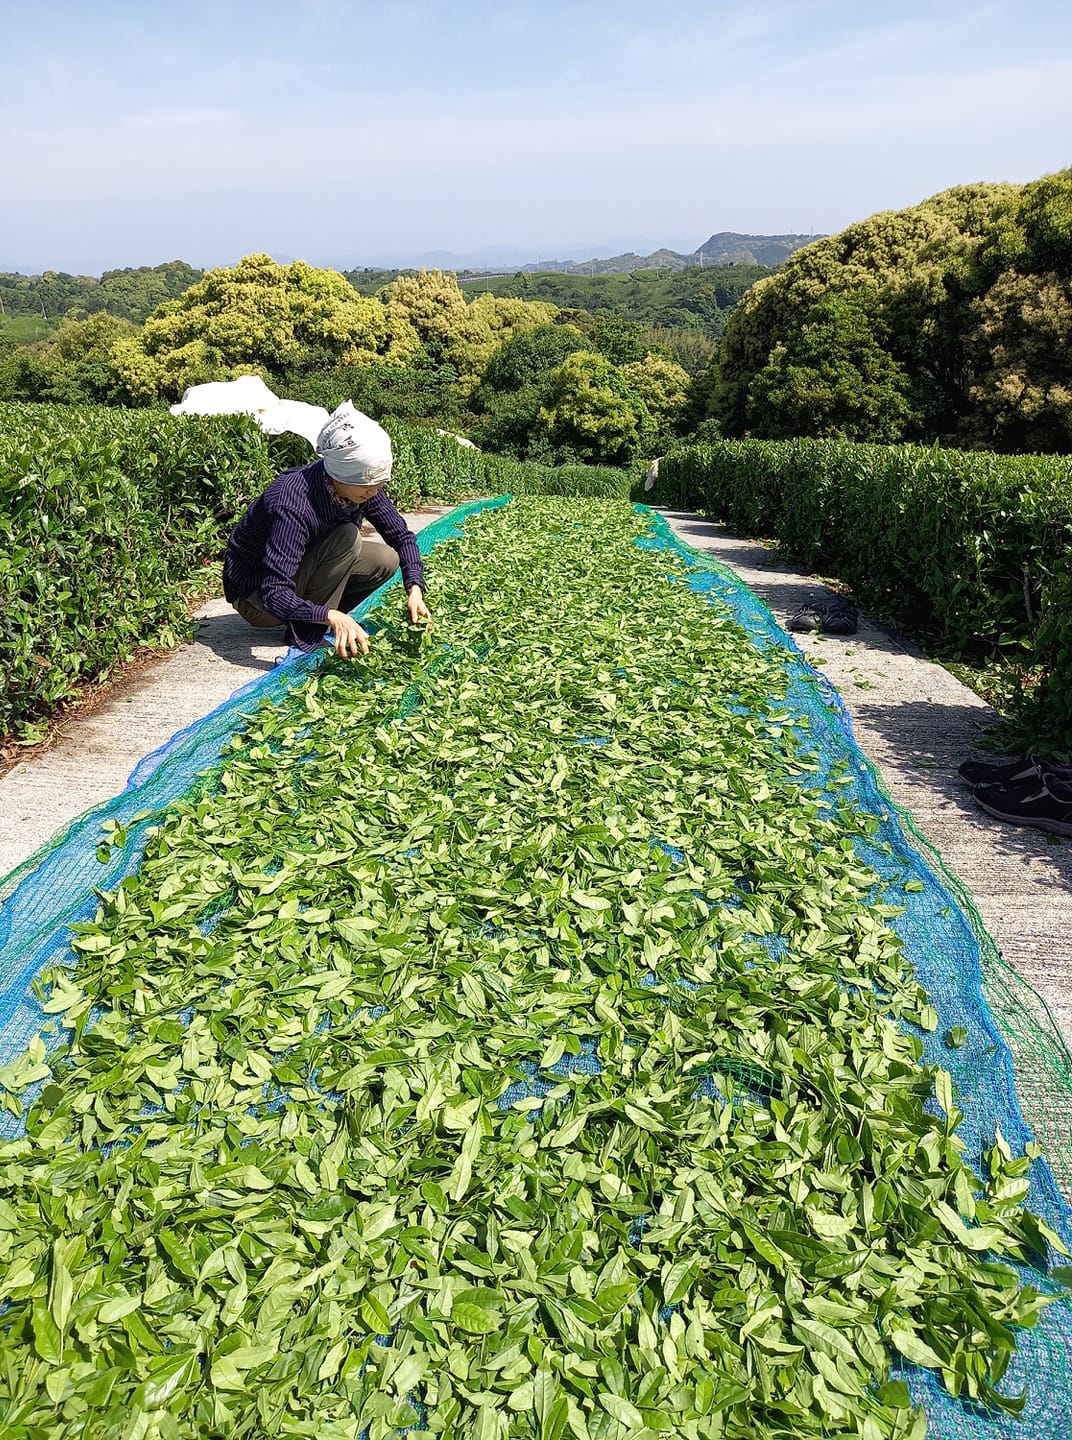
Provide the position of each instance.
(354, 449)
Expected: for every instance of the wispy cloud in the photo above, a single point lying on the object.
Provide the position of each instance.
(353, 143)
(176, 120)
(447, 122)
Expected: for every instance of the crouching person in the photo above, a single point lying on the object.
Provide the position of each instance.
(297, 557)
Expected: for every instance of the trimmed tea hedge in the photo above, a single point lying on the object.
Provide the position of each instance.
(103, 515)
(106, 515)
(970, 551)
(429, 466)
(433, 467)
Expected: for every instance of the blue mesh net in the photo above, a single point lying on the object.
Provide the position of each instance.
(944, 939)
(940, 931)
(57, 886)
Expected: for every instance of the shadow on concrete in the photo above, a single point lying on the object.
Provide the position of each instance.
(871, 640)
(927, 740)
(934, 733)
(239, 643)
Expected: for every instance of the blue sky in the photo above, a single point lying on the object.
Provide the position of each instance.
(347, 133)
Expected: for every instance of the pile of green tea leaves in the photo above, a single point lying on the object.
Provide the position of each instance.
(506, 1041)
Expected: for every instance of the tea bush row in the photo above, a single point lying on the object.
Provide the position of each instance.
(970, 551)
(105, 515)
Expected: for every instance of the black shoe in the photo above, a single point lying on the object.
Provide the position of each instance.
(1038, 801)
(829, 617)
(1012, 772)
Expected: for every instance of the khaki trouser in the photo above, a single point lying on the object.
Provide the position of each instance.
(338, 572)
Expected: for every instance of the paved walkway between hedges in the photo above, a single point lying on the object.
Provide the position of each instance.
(912, 718)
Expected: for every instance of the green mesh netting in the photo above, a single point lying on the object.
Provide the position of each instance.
(55, 887)
(1014, 1069)
(954, 958)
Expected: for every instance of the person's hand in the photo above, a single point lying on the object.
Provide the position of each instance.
(350, 639)
(418, 610)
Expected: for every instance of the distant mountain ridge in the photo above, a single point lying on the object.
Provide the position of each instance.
(729, 248)
(726, 247)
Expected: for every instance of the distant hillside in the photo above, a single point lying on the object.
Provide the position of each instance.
(623, 264)
(671, 297)
(729, 248)
(132, 293)
(725, 248)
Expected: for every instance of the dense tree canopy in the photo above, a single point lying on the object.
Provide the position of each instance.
(454, 331)
(1018, 351)
(417, 348)
(699, 297)
(661, 385)
(418, 391)
(589, 412)
(258, 316)
(285, 321)
(73, 367)
(511, 392)
(948, 320)
(415, 345)
(833, 377)
(132, 293)
(547, 394)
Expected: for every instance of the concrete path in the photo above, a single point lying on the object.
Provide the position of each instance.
(912, 718)
(916, 722)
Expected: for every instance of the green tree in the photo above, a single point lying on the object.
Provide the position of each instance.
(72, 368)
(511, 425)
(832, 377)
(697, 297)
(434, 308)
(408, 392)
(621, 341)
(23, 374)
(956, 328)
(81, 358)
(528, 357)
(135, 293)
(691, 347)
(663, 387)
(453, 331)
(511, 392)
(1018, 349)
(131, 294)
(899, 262)
(258, 317)
(589, 414)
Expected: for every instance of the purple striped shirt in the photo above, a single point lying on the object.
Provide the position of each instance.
(297, 510)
